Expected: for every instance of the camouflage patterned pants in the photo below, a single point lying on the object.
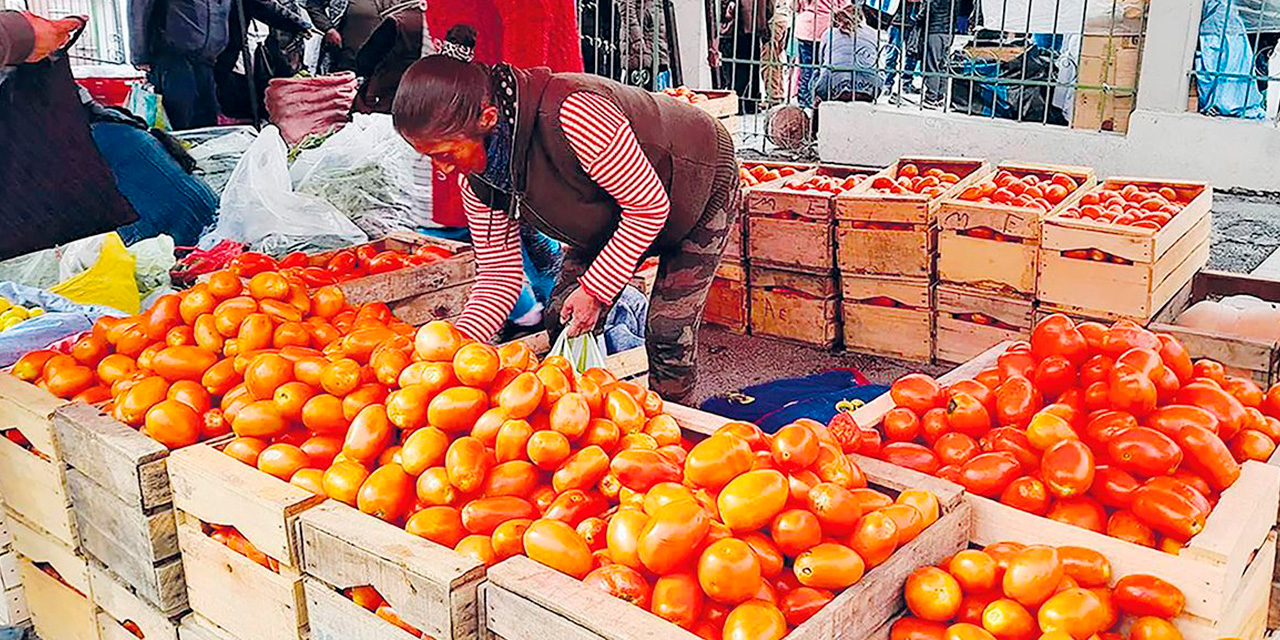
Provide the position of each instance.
(680, 292)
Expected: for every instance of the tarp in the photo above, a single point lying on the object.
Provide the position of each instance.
(1064, 16)
(1259, 15)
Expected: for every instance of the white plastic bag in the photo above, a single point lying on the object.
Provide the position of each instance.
(582, 351)
(259, 207)
(366, 171)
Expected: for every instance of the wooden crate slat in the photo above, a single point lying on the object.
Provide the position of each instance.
(28, 409)
(1021, 222)
(429, 586)
(120, 605)
(36, 489)
(59, 613)
(334, 617)
(196, 627)
(120, 458)
(885, 251)
(218, 489)
(905, 334)
(437, 305)
(786, 244)
(411, 281)
(13, 606)
(990, 264)
(36, 545)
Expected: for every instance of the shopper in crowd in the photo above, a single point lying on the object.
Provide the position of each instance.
(847, 57)
(777, 76)
(812, 21)
(347, 25)
(54, 184)
(176, 42)
(745, 44)
(939, 23)
(614, 172)
(645, 49)
(904, 47)
(279, 56)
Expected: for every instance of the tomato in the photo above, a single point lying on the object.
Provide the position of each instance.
(581, 470)
(172, 424)
(1058, 335)
(1206, 453)
(1087, 567)
(917, 392)
(456, 409)
(1083, 512)
(956, 448)
(751, 500)
(1033, 575)
(1016, 364)
(556, 545)
(728, 571)
(1165, 505)
(1175, 357)
(932, 594)
(912, 628)
(1095, 369)
(1067, 468)
(483, 515)
(1252, 445)
(795, 531)
(623, 534)
(1144, 595)
(387, 494)
(1144, 452)
(1113, 486)
(874, 538)
(672, 535)
(910, 455)
(715, 461)
(621, 582)
(989, 473)
(467, 462)
(1014, 441)
(508, 538)
(547, 449)
(1028, 494)
(899, 425)
(755, 620)
(1078, 612)
(575, 505)
(1130, 390)
(259, 419)
(1054, 375)
(798, 605)
(370, 432)
(966, 414)
(512, 478)
(640, 469)
(677, 598)
(1017, 400)
(1229, 412)
(1151, 628)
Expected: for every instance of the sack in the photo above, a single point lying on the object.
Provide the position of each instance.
(62, 318)
(365, 170)
(110, 281)
(261, 209)
(582, 351)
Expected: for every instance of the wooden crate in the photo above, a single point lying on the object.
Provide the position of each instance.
(59, 610)
(795, 306)
(1006, 266)
(528, 601)
(195, 627)
(903, 332)
(862, 203)
(224, 587)
(32, 480)
(1210, 570)
(729, 300)
(961, 334)
(122, 502)
(13, 600)
(736, 241)
(1248, 357)
(431, 587)
(789, 229)
(1162, 261)
(862, 250)
(410, 291)
(118, 604)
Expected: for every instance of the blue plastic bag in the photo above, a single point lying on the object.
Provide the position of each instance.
(773, 405)
(62, 318)
(1224, 64)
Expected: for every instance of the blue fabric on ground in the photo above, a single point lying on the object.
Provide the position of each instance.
(624, 326)
(775, 404)
(13, 633)
(168, 200)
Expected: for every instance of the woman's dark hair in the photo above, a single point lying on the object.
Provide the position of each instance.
(441, 96)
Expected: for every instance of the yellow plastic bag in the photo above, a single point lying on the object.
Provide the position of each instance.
(110, 281)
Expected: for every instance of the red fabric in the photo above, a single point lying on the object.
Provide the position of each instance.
(523, 33)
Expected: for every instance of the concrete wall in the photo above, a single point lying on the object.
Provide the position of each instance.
(1163, 140)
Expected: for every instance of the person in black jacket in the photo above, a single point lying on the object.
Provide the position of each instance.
(272, 59)
(176, 43)
(939, 31)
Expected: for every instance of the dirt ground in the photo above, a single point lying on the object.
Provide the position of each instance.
(1246, 230)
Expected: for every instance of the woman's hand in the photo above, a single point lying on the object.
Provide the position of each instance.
(51, 35)
(580, 312)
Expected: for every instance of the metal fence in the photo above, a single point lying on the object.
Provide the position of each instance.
(104, 42)
(1237, 66)
(1054, 62)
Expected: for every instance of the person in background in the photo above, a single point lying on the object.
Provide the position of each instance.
(268, 60)
(850, 43)
(776, 74)
(750, 31)
(812, 21)
(614, 172)
(645, 51)
(347, 25)
(939, 32)
(176, 42)
(904, 46)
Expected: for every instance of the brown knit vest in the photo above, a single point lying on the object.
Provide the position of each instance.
(562, 201)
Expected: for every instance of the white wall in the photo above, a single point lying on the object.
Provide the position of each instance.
(1164, 140)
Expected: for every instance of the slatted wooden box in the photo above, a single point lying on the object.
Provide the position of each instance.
(790, 229)
(1222, 571)
(528, 601)
(729, 300)
(13, 600)
(896, 235)
(970, 253)
(33, 477)
(121, 614)
(889, 316)
(1155, 263)
(795, 306)
(1258, 359)
(736, 247)
(429, 586)
(241, 597)
(970, 321)
(55, 581)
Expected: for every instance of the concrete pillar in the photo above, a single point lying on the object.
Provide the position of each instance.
(1172, 33)
(692, 21)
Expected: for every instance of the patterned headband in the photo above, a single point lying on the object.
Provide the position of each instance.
(457, 51)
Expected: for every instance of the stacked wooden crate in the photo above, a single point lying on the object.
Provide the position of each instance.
(791, 241)
(416, 294)
(886, 248)
(1099, 270)
(13, 609)
(988, 257)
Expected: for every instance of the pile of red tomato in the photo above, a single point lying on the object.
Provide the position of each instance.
(931, 181)
(1033, 190)
(339, 266)
(825, 184)
(684, 94)
(753, 175)
(1132, 205)
(1017, 592)
(1113, 429)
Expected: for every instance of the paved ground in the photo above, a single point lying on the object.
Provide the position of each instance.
(1246, 230)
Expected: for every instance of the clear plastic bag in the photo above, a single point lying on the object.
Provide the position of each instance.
(62, 318)
(582, 351)
(260, 207)
(366, 170)
(109, 281)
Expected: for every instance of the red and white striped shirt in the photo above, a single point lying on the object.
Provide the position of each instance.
(606, 146)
